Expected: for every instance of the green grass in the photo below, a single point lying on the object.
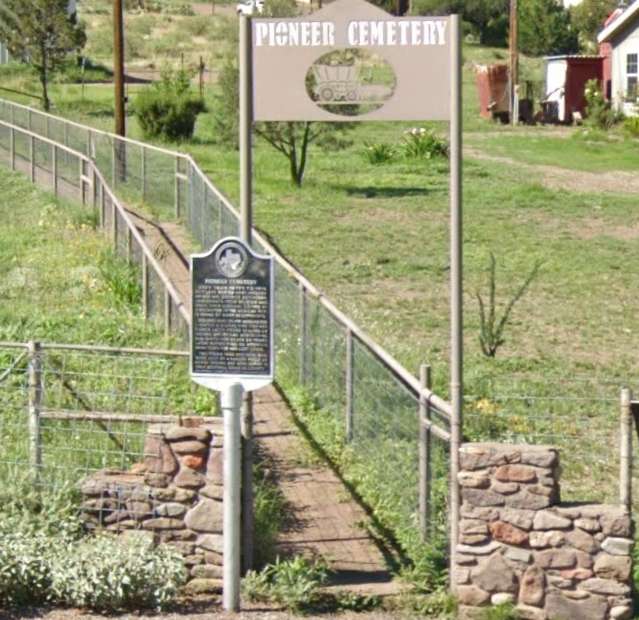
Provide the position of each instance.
(60, 282)
(52, 285)
(580, 149)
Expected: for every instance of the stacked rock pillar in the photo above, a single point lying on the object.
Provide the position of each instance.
(174, 497)
(518, 544)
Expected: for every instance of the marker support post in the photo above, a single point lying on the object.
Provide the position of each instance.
(246, 227)
(456, 299)
(231, 400)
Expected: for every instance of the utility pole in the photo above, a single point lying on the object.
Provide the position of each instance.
(118, 66)
(514, 63)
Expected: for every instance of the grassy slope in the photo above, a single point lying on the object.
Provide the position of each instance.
(51, 283)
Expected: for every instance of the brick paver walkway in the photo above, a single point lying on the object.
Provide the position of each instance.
(325, 521)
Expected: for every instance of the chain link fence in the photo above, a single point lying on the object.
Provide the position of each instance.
(396, 428)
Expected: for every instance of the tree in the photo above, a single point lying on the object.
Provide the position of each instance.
(545, 28)
(588, 19)
(42, 33)
(291, 139)
(488, 17)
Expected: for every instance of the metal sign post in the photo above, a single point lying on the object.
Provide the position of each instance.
(352, 61)
(246, 226)
(232, 352)
(456, 282)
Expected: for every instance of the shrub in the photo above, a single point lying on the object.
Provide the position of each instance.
(24, 568)
(26, 509)
(104, 573)
(380, 153)
(111, 574)
(421, 143)
(599, 114)
(168, 109)
(631, 126)
(44, 557)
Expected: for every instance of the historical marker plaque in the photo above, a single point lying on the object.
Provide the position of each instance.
(232, 326)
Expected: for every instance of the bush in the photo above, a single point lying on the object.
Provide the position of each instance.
(44, 557)
(420, 143)
(103, 573)
(631, 126)
(599, 113)
(26, 509)
(168, 109)
(25, 575)
(112, 574)
(379, 153)
(292, 583)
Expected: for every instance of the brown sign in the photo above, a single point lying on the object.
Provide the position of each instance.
(351, 61)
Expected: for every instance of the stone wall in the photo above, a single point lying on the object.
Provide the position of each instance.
(174, 496)
(519, 544)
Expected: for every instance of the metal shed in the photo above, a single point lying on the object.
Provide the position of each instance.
(566, 78)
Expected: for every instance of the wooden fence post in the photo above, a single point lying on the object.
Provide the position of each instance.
(35, 394)
(625, 460)
(350, 367)
(425, 471)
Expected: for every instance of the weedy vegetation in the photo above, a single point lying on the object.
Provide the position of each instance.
(491, 332)
(46, 558)
(293, 583)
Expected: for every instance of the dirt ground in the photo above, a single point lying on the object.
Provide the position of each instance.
(618, 181)
(196, 611)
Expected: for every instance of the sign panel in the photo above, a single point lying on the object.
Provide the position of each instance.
(232, 326)
(351, 61)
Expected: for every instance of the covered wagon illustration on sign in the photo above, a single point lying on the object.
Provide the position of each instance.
(335, 83)
(350, 82)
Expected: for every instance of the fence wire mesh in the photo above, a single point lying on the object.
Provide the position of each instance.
(579, 415)
(71, 417)
(356, 391)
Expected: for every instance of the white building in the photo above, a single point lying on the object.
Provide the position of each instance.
(620, 39)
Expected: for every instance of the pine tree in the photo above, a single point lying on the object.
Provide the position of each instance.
(41, 33)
